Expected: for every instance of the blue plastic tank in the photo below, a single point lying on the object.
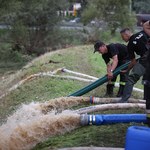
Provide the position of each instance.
(138, 138)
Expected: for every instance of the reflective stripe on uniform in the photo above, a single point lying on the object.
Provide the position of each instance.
(112, 82)
(122, 83)
(148, 115)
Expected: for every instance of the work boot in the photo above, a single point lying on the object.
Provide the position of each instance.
(109, 90)
(120, 92)
(122, 101)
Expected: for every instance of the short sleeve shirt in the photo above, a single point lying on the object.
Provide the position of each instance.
(116, 49)
(137, 44)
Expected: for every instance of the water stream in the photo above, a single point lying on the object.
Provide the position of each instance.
(30, 125)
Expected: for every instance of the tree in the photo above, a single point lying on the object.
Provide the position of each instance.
(33, 22)
(115, 13)
(141, 6)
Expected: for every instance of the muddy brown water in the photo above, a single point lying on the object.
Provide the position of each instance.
(35, 122)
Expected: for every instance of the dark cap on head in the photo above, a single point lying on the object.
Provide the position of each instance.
(97, 45)
(124, 30)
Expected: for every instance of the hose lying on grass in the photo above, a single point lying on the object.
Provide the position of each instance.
(53, 74)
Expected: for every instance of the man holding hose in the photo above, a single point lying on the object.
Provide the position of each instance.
(114, 55)
(136, 46)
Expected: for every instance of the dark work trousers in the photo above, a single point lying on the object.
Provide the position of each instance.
(137, 71)
(147, 94)
(147, 97)
(147, 88)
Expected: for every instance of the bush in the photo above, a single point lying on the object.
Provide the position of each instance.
(10, 59)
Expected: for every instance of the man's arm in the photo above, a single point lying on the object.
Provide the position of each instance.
(112, 67)
(130, 66)
(114, 62)
(132, 63)
(108, 67)
(146, 27)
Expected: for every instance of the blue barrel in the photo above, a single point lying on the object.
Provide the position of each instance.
(137, 138)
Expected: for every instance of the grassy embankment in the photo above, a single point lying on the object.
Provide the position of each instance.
(81, 59)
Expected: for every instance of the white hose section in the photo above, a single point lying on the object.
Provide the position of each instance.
(95, 78)
(97, 100)
(52, 74)
(80, 74)
(103, 107)
(134, 88)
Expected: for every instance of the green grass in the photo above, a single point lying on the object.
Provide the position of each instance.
(99, 136)
(112, 135)
(81, 59)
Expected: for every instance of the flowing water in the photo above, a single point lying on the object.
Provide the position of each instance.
(30, 125)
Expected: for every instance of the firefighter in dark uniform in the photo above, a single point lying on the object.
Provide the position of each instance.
(136, 45)
(146, 27)
(114, 56)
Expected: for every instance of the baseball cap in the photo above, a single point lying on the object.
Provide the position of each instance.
(97, 45)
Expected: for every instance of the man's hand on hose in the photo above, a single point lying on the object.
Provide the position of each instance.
(124, 71)
(110, 75)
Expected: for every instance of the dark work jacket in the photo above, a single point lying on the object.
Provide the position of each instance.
(137, 45)
(116, 49)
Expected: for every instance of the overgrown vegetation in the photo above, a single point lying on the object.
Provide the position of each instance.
(113, 14)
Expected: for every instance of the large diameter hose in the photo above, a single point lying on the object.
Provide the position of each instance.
(111, 118)
(98, 82)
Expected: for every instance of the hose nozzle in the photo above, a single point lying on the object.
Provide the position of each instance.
(84, 119)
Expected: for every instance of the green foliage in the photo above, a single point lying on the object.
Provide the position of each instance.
(20, 37)
(89, 13)
(11, 59)
(32, 22)
(71, 37)
(115, 13)
(141, 6)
